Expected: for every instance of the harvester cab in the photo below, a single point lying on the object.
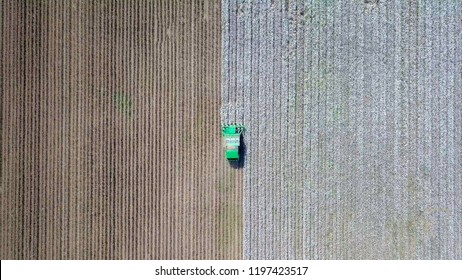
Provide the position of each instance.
(232, 138)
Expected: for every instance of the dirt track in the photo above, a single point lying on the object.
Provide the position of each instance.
(110, 126)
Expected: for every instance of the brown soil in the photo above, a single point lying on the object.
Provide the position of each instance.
(110, 132)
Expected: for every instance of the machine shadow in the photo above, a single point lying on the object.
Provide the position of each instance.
(239, 164)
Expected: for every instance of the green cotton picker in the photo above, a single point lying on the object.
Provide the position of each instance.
(232, 138)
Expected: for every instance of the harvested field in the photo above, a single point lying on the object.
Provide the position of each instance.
(354, 117)
(110, 132)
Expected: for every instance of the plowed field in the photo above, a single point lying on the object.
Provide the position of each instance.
(110, 132)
